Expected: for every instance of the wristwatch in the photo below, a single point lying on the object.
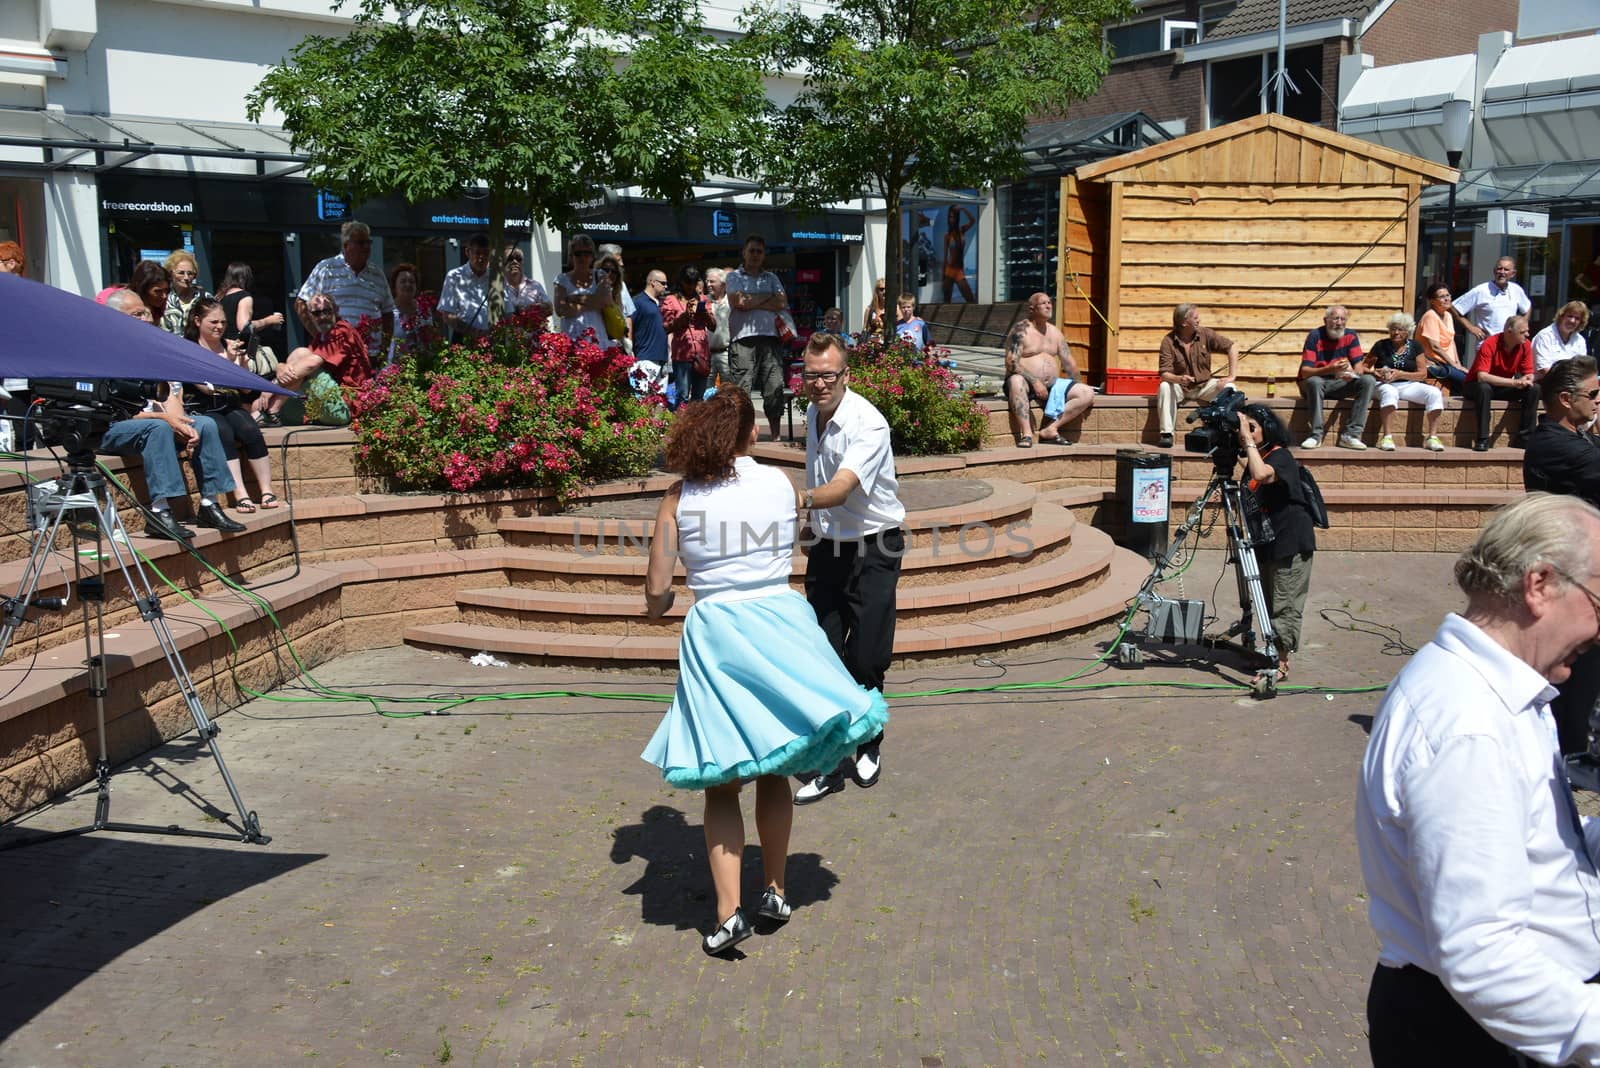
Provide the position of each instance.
(807, 500)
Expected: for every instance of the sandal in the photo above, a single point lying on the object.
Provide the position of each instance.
(269, 501)
(1024, 443)
(244, 505)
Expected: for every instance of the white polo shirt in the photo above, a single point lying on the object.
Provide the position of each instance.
(856, 439)
(1489, 308)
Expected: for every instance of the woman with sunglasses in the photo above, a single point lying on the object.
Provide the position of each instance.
(872, 323)
(582, 292)
(522, 292)
(1436, 333)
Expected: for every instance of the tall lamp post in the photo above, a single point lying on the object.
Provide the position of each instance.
(1457, 125)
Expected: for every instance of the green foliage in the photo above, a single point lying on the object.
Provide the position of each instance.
(909, 94)
(519, 408)
(927, 411)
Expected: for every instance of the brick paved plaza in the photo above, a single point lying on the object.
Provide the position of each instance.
(1123, 877)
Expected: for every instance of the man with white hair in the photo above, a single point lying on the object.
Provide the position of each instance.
(1480, 872)
(355, 283)
(717, 290)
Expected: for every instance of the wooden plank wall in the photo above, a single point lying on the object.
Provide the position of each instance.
(1267, 156)
(1081, 272)
(1258, 258)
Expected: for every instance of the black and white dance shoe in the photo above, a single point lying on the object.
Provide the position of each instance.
(773, 907)
(822, 786)
(735, 930)
(866, 767)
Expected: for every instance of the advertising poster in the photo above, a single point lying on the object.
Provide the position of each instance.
(1150, 495)
(941, 243)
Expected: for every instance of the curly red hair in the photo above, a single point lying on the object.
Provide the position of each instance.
(707, 435)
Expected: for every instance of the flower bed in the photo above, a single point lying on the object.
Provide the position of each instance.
(929, 413)
(517, 408)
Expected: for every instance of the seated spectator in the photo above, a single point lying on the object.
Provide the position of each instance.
(156, 435)
(522, 292)
(1330, 366)
(1562, 456)
(153, 285)
(464, 297)
(908, 326)
(230, 408)
(1436, 333)
(1562, 339)
(184, 270)
(1403, 376)
(1039, 369)
(336, 348)
(1185, 364)
(1503, 370)
(833, 323)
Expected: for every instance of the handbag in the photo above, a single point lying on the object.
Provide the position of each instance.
(325, 403)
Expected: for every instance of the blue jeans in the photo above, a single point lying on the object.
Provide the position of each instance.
(154, 443)
(690, 386)
(1453, 375)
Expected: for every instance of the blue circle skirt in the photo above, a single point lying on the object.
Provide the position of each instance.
(760, 692)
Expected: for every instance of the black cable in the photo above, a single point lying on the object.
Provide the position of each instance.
(1394, 642)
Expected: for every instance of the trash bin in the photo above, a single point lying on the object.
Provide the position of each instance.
(1144, 498)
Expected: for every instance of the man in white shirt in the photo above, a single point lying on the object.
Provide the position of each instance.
(717, 290)
(356, 284)
(852, 572)
(1484, 309)
(755, 353)
(1482, 883)
(464, 297)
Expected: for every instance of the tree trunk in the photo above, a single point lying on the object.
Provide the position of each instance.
(894, 256)
(497, 255)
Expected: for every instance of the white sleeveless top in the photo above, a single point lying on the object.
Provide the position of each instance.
(738, 533)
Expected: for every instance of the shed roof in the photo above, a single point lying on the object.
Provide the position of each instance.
(1267, 141)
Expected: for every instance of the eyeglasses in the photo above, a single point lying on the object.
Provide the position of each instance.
(360, 241)
(323, 313)
(513, 259)
(829, 377)
(1594, 598)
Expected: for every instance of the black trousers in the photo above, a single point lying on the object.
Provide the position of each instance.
(1412, 1020)
(851, 587)
(1483, 393)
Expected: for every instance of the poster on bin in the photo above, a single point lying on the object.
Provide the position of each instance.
(1150, 495)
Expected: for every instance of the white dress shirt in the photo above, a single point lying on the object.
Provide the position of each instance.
(1549, 349)
(466, 296)
(1474, 867)
(856, 439)
(1488, 306)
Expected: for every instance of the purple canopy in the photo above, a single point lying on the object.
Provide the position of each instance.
(50, 333)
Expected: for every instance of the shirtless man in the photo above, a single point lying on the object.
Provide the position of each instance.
(1036, 355)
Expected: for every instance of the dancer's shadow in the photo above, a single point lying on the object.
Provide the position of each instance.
(675, 888)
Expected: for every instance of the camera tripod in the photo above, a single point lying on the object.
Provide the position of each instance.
(1179, 622)
(84, 495)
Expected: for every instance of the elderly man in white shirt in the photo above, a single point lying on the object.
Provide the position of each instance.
(355, 283)
(1482, 883)
(1484, 308)
(853, 569)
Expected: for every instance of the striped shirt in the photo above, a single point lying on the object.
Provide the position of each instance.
(1321, 350)
(365, 294)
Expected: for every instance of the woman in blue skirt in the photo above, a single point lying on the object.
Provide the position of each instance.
(761, 694)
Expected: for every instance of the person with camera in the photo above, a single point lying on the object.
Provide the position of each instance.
(464, 297)
(1185, 364)
(1330, 366)
(162, 436)
(1273, 475)
(689, 321)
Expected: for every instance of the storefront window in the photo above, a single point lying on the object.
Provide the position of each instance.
(1538, 260)
(1582, 258)
(1459, 276)
(1027, 239)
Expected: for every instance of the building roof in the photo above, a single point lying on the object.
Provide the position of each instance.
(1261, 16)
(1059, 145)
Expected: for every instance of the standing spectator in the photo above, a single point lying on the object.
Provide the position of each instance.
(717, 290)
(239, 303)
(1562, 339)
(1484, 309)
(853, 570)
(208, 323)
(1330, 366)
(613, 251)
(464, 297)
(689, 319)
(522, 292)
(13, 261)
(617, 326)
(1185, 367)
(761, 693)
(1402, 377)
(907, 325)
(1285, 562)
(872, 322)
(410, 314)
(1437, 336)
(833, 323)
(1503, 370)
(755, 352)
(649, 333)
(1478, 868)
(355, 283)
(581, 293)
(184, 271)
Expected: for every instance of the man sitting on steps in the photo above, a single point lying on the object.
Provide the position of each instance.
(1037, 363)
(1186, 366)
(1330, 366)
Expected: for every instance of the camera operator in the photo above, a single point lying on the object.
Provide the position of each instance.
(1272, 474)
(156, 436)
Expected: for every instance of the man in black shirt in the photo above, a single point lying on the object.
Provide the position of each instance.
(1563, 457)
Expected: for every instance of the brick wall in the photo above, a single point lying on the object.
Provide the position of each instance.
(1422, 29)
(1153, 85)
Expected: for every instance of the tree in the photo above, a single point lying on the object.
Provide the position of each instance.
(541, 102)
(906, 94)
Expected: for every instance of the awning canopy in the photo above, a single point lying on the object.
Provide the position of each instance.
(46, 140)
(1543, 100)
(1400, 105)
(1052, 148)
(1530, 185)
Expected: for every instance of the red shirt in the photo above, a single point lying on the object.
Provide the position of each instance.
(1494, 360)
(692, 343)
(344, 354)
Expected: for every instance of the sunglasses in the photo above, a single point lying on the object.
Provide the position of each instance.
(513, 259)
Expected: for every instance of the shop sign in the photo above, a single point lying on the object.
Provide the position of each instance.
(1518, 223)
(809, 274)
(331, 206)
(724, 223)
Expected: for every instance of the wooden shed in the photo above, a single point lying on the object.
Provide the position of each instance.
(1263, 223)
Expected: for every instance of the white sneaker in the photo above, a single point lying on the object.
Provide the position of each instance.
(1311, 443)
(1346, 441)
(1435, 445)
(1386, 443)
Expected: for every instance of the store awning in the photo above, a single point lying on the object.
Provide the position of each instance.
(1400, 106)
(1051, 148)
(1531, 186)
(46, 140)
(1543, 100)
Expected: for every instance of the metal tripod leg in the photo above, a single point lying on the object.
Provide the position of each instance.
(111, 531)
(1252, 595)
